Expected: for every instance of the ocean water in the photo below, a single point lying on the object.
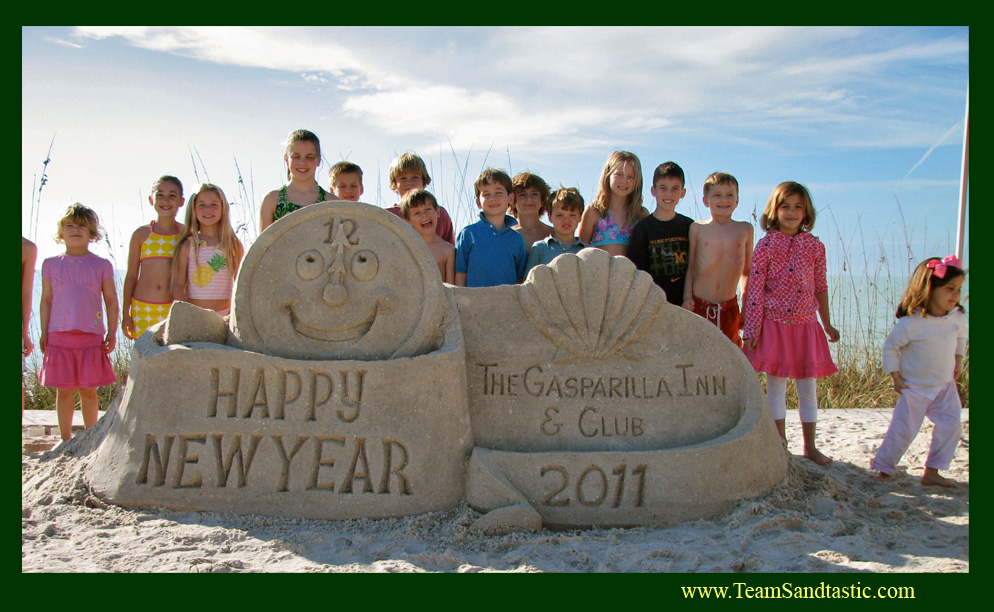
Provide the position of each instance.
(862, 309)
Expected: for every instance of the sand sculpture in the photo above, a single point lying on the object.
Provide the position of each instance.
(350, 382)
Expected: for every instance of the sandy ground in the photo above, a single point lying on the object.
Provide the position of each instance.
(832, 519)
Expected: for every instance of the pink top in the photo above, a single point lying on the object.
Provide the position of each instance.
(787, 272)
(77, 294)
(209, 275)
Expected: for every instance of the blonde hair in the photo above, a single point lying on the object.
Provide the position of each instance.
(298, 136)
(80, 215)
(780, 193)
(231, 246)
(719, 178)
(406, 163)
(919, 292)
(634, 204)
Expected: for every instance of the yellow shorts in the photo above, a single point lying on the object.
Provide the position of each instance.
(147, 314)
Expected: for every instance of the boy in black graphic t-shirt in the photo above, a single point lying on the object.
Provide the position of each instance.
(659, 243)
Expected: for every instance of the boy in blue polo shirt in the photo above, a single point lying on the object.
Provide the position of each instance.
(564, 207)
(489, 252)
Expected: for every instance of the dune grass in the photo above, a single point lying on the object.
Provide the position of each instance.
(862, 304)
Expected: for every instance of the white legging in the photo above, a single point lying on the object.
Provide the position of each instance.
(807, 397)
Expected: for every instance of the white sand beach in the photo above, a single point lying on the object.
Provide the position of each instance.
(833, 519)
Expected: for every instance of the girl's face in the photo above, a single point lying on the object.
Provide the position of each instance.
(303, 160)
(791, 213)
(208, 208)
(167, 199)
(622, 180)
(76, 237)
(946, 297)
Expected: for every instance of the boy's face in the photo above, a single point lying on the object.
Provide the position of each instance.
(347, 186)
(668, 192)
(423, 218)
(564, 222)
(494, 200)
(528, 202)
(409, 181)
(166, 200)
(722, 200)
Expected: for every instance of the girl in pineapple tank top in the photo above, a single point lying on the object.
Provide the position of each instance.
(206, 263)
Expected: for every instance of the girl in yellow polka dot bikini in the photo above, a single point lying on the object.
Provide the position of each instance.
(148, 284)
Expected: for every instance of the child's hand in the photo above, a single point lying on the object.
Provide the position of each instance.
(749, 343)
(833, 334)
(28, 344)
(956, 368)
(689, 304)
(43, 342)
(109, 343)
(128, 326)
(898, 381)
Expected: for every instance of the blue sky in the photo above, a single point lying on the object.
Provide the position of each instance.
(866, 117)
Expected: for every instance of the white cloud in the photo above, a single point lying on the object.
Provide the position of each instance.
(62, 42)
(544, 86)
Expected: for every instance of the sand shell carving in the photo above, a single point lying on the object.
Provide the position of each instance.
(591, 305)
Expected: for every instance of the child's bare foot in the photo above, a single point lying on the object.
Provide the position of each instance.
(931, 478)
(882, 477)
(817, 456)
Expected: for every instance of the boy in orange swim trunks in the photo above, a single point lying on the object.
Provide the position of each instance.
(720, 258)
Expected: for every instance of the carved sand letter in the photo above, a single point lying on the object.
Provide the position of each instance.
(229, 393)
(234, 456)
(319, 461)
(286, 458)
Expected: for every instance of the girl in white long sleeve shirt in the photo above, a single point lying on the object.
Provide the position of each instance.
(923, 354)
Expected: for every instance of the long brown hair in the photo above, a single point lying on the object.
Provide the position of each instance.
(923, 282)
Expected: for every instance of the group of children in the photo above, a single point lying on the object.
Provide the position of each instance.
(702, 266)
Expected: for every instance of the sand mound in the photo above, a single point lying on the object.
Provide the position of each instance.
(832, 519)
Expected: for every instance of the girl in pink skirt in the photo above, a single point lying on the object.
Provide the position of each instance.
(787, 287)
(74, 336)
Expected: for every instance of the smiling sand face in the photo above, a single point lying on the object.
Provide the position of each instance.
(339, 280)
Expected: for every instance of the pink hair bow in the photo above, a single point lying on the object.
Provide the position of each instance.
(940, 266)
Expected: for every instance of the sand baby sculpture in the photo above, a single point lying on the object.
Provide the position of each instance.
(350, 382)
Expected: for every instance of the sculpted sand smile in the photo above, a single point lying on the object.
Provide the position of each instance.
(384, 303)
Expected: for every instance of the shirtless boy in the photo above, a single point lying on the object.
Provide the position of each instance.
(720, 258)
(420, 209)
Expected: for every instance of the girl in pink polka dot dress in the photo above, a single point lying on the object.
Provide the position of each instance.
(787, 289)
